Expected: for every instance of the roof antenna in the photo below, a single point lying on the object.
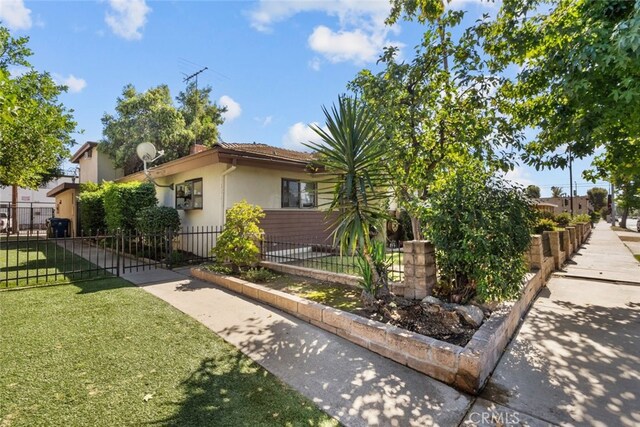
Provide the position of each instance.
(186, 80)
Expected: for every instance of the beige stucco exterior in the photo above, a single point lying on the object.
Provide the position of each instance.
(66, 208)
(223, 185)
(96, 166)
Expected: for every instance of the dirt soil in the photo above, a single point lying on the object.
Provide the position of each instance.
(431, 320)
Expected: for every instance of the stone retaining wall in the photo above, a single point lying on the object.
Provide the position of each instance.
(466, 368)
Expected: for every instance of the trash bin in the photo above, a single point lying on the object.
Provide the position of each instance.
(58, 227)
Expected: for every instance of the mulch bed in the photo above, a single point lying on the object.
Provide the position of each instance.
(426, 319)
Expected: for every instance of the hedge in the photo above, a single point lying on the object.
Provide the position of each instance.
(91, 206)
(123, 203)
(158, 219)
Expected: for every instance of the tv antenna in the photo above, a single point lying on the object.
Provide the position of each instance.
(147, 152)
(187, 79)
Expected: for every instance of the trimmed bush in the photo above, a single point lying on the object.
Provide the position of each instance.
(546, 215)
(91, 209)
(481, 227)
(154, 219)
(563, 219)
(580, 218)
(123, 202)
(237, 242)
(544, 225)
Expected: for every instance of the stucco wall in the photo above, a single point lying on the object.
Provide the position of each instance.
(211, 214)
(260, 186)
(66, 208)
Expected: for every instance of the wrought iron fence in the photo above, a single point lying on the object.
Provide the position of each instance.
(319, 253)
(28, 218)
(37, 259)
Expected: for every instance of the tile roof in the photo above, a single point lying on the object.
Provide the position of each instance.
(269, 151)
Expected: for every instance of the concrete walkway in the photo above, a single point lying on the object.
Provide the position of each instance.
(352, 384)
(576, 358)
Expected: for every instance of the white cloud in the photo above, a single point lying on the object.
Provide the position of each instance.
(349, 12)
(233, 108)
(519, 175)
(360, 37)
(301, 133)
(15, 15)
(128, 18)
(314, 64)
(75, 84)
(357, 46)
(264, 121)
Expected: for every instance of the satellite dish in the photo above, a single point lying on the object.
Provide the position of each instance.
(146, 151)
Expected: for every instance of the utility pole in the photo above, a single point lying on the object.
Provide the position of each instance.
(186, 80)
(571, 181)
(613, 206)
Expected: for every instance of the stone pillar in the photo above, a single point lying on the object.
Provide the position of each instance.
(554, 242)
(535, 252)
(572, 238)
(566, 247)
(580, 233)
(419, 269)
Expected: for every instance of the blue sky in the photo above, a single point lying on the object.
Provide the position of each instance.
(273, 63)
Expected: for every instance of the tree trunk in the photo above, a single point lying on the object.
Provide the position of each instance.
(623, 218)
(415, 227)
(14, 209)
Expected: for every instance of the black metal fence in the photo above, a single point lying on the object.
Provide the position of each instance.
(36, 259)
(30, 218)
(318, 253)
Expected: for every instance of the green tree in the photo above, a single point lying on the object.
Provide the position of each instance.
(533, 191)
(202, 116)
(597, 198)
(237, 242)
(144, 117)
(35, 128)
(352, 150)
(438, 107)
(579, 78)
(481, 227)
(556, 192)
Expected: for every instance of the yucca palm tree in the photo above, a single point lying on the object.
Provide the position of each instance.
(556, 192)
(352, 151)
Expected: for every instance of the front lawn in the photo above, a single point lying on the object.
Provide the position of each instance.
(349, 265)
(38, 261)
(105, 353)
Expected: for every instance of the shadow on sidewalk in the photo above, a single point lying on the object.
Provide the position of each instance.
(573, 363)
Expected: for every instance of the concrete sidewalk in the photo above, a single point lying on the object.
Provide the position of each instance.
(352, 384)
(576, 358)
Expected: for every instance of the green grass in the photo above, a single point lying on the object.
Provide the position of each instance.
(637, 256)
(89, 353)
(22, 261)
(348, 264)
(331, 294)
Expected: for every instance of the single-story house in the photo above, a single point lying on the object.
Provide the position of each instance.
(581, 204)
(209, 181)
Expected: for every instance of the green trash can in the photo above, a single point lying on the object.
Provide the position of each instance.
(58, 227)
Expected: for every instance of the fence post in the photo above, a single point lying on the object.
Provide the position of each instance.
(169, 236)
(117, 234)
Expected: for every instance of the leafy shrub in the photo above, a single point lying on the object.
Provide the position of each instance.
(563, 219)
(605, 212)
(155, 219)
(405, 225)
(218, 268)
(581, 218)
(258, 275)
(91, 208)
(595, 217)
(122, 202)
(380, 263)
(546, 215)
(481, 226)
(237, 242)
(544, 225)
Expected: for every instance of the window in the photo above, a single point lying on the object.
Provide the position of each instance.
(189, 195)
(298, 194)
